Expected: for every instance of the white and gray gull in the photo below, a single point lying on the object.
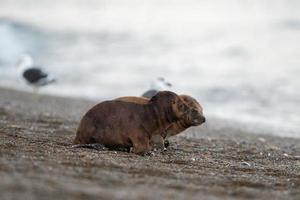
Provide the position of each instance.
(157, 85)
(33, 74)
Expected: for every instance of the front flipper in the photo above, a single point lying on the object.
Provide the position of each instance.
(140, 142)
(166, 143)
(157, 143)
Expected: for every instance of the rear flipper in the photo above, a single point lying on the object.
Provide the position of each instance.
(99, 146)
(96, 146)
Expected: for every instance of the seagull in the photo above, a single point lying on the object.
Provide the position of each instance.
(156, 86)
(33, 74)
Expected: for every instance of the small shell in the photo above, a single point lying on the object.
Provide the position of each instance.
(245, 164)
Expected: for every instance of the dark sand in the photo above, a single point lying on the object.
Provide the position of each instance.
(38, 162)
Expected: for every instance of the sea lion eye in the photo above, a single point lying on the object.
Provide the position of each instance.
(181, 107)
(195, 113)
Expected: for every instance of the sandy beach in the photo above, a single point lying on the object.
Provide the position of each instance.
(38, 162)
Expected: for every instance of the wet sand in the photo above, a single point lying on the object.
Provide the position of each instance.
(38, 162)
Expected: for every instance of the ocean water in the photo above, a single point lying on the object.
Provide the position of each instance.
(239, 58)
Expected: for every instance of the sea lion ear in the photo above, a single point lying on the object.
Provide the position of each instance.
(171, 102)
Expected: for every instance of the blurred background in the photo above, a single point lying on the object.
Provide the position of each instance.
(239, 58)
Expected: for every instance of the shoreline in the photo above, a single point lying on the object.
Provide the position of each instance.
(74, 108)
(37, 161)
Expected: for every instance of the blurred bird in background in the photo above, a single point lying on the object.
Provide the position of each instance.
(157, 85)
(34, 75)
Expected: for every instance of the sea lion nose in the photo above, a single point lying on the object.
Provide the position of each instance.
(203, 119)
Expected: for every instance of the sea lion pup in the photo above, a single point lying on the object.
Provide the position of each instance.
(176, 127)
(124, 124)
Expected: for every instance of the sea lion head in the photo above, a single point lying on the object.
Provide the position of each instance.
(194, 116)
(176, 108)
(169, 103)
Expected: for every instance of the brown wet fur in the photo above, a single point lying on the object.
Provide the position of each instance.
(127, 124)
(177, 126)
